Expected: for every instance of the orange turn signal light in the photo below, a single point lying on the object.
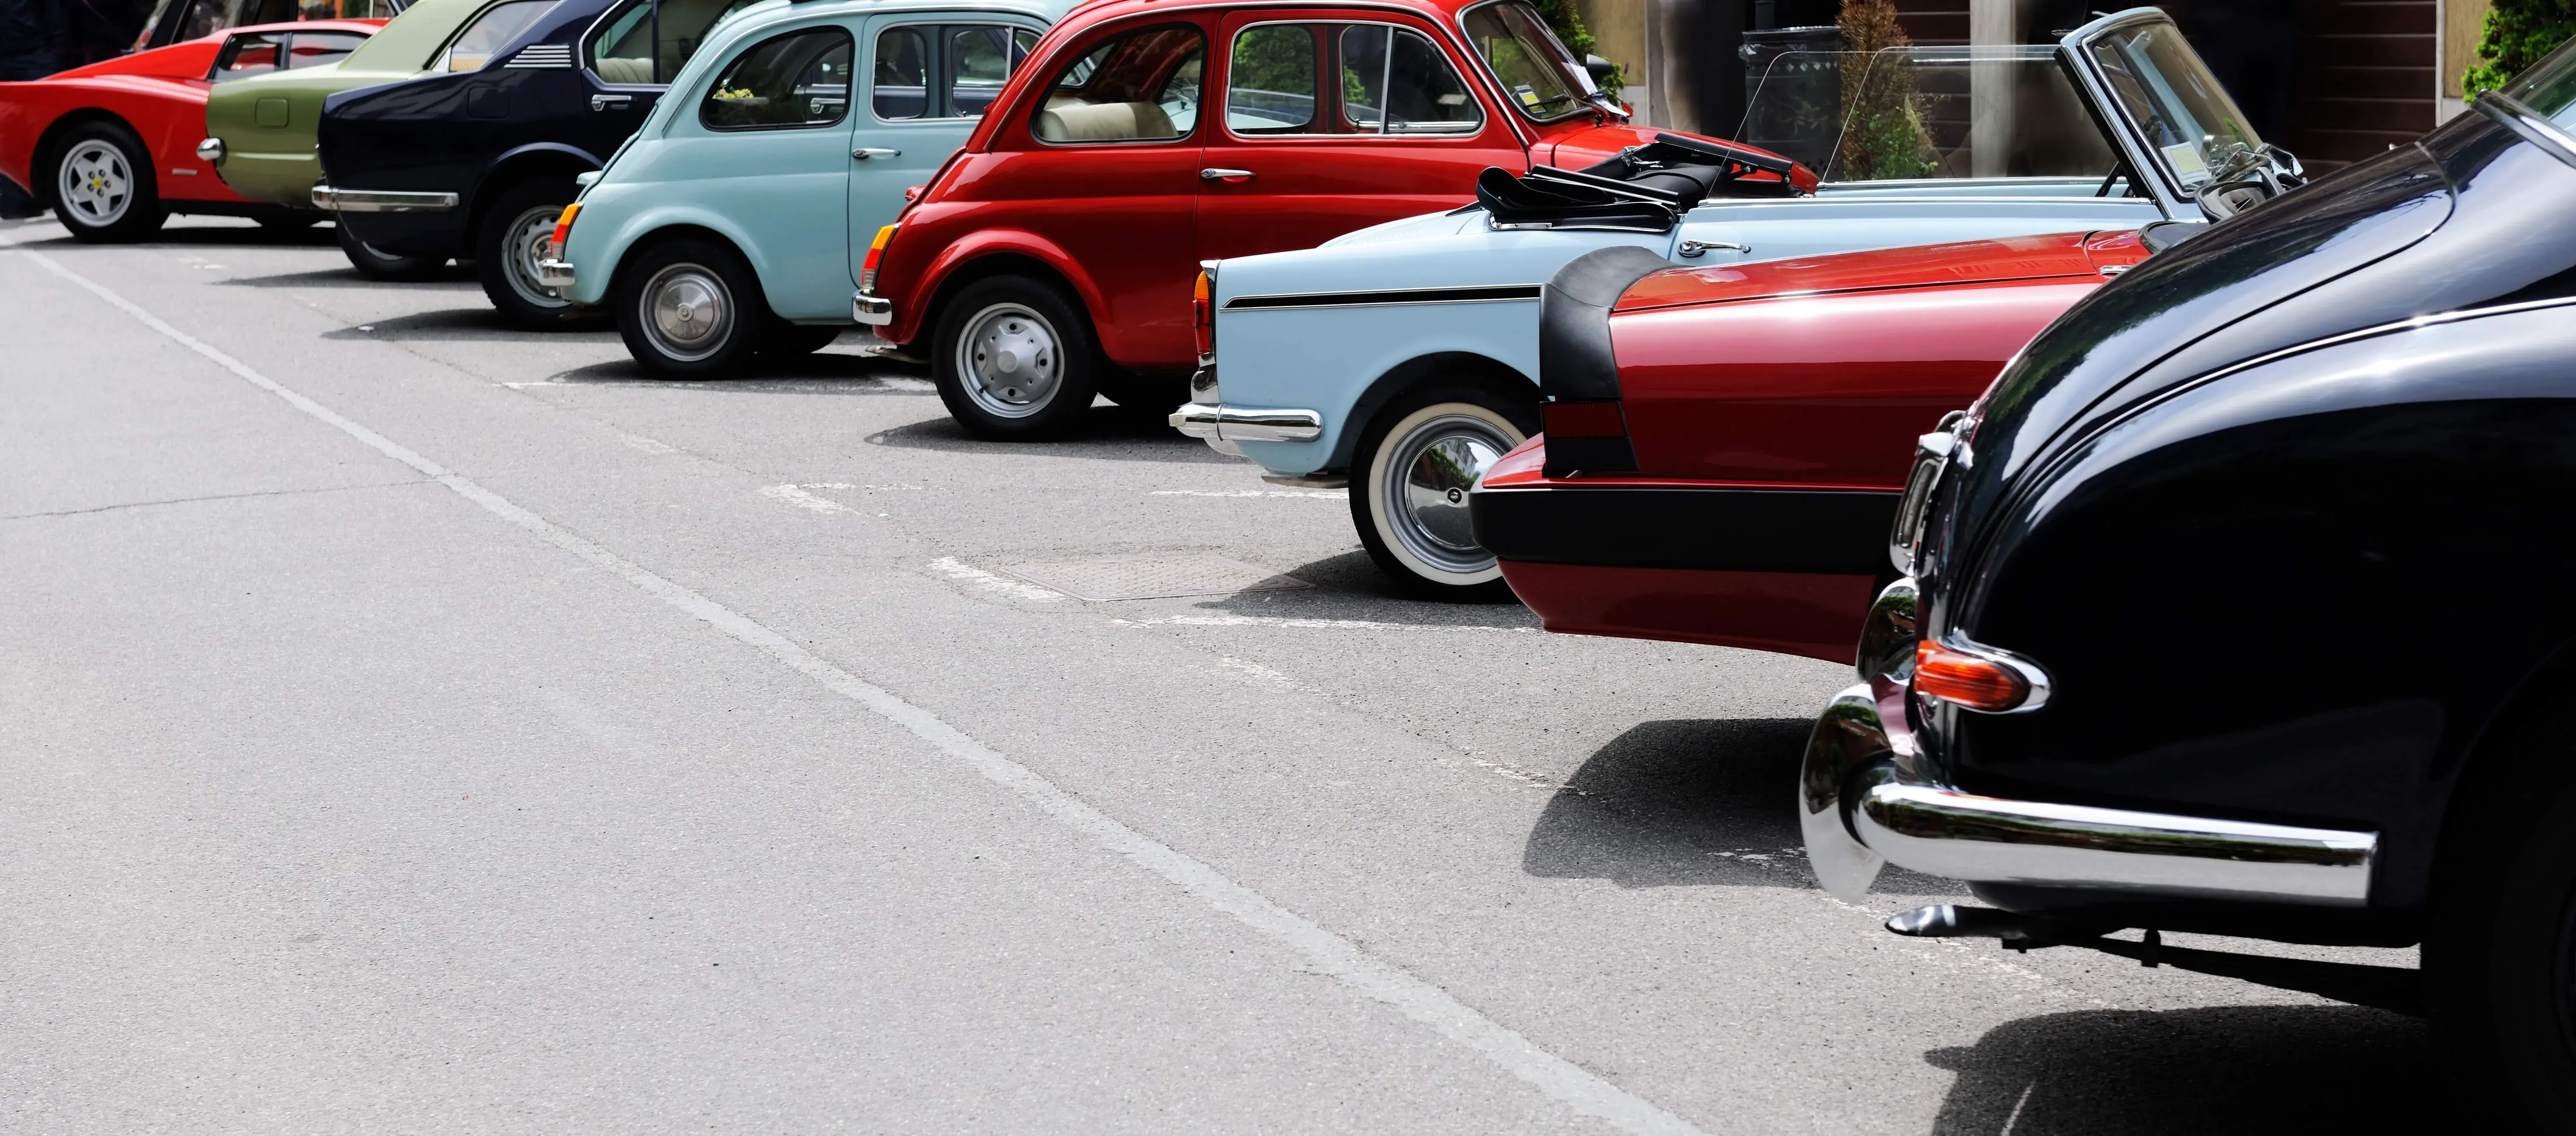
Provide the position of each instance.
(1973, 681)
(1203, 313)
(563, 230)
(876, 252)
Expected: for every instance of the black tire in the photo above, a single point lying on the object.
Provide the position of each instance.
(1040, 363)
(377, 264)
(103, 187)
(1415, 527)
(509, 242)
(784, 340)
(2500, 946)
(1158, 393)
(711, 313)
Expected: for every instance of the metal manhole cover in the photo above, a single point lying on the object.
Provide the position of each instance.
(1154, 577)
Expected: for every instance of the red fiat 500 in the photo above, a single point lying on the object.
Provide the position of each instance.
(1725, 447)
(1052, 257)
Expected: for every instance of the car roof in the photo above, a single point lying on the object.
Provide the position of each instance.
(1112, 9)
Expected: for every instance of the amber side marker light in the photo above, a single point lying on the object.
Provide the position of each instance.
(1203, 313)
(876, 252)
(563, 230)
(1989, 682)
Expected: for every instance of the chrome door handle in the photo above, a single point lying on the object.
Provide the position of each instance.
(864, 153)
(1225, 175)
(1695, 248)
(603, 102)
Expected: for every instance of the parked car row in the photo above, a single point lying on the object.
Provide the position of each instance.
(2213, 612)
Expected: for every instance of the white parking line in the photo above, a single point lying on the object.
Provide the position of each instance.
(802, 499)
(1577, 1088)
(956, 569)
(1325, 494)
(1292, 621)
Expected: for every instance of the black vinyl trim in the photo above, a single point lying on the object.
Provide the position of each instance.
(1825, 531)
(1488, 294)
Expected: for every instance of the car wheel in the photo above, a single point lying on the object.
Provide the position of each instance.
(103, 185)
(376, 264)
(2500, 944)
(1416, 462)
(784, 340)
(514, 237)
(690, 308)
(1014, 360)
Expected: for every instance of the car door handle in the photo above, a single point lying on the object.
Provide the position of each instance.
(1695, 248)
(603, 102)
(864, 153)
(1225, 175)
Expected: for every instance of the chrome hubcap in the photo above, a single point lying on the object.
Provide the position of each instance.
(1010, 361)
(97, 186)
(688, 313)
(1433, 467)
(523, 244)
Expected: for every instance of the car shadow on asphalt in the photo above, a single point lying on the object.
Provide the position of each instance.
(2224, 1069)
(1109, 433)
(454, 278)
(478, 324)
(195, 236)
(1350, 586)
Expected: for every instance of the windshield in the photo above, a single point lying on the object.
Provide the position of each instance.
(1538, 74)
(2188, 121)
(2548, 92)
(1925, 112)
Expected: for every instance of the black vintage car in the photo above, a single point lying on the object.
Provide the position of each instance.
(2232, 607)
(477, 160)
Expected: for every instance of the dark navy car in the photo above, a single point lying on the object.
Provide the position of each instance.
(2233, 607)
(476, 160)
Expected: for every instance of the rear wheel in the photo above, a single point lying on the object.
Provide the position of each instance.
(1014, 360)
(2500, 953)
(689, 308)
(103, 185)
(515, 234)
(1414, 466)
(376, 264)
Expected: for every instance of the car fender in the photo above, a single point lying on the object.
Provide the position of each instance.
(957, 263)
(635, 229)
(516, 165)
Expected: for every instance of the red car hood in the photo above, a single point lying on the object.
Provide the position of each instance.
(1589, 145)
(1961, 262)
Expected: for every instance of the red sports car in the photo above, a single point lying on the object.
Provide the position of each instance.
(1725, 446)
(112, 146)
(1054, 255)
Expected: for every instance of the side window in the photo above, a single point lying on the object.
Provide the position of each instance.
(647, 42)
(255, 53)
(1142, 86)
(899, 86)
(489, 33)
(979, 61)
(1395, 81)
(312, 49)
(795, 80)
(1270, 83)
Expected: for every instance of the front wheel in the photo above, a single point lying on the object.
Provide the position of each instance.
(1014, 360)
(377, 264)
(1416, 462)
(103, 185)
(690, 309)
(514, 237)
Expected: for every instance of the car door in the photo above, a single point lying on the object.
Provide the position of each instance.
(1333, 124)
(930, 77)
(770, 135)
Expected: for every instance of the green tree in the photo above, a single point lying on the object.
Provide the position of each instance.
(1883, 135)
(2518, 33)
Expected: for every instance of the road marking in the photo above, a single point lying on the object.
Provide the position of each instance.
(1292, 621)
(1569, 1084)
(1326, 494)
(956, 569)
(802, 499)
(648, 445)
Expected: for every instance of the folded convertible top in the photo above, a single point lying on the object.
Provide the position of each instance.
(1642, 188)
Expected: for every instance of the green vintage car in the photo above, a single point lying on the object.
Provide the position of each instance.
(259, 130)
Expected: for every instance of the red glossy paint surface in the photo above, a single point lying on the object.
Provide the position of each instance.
(1124, 224)
(160, 94)
(1789, 612)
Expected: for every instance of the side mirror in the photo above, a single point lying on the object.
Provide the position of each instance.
(1601, 69)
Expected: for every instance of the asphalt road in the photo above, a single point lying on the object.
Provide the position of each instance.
(413, 725)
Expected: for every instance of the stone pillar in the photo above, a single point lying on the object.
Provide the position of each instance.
(1991, 24)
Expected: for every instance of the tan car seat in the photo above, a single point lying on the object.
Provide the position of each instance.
(1104, 122)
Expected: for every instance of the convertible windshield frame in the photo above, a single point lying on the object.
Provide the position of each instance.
(2540, 104)
(2078, 49)
(1587, 98)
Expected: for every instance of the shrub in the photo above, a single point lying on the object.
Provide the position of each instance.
(2518, 33)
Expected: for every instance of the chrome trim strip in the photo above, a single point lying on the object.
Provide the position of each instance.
(542, 56)
(2533, 126)
(1246, 424)
(874, 311)
(381, 200)
(1480, 294)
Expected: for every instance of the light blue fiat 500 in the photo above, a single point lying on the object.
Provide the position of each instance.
(735, 220)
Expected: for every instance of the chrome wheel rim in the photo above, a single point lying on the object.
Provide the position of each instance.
(688, 312)
(1010, 361)
(523, 244)
(96, 184)
(1424, 496)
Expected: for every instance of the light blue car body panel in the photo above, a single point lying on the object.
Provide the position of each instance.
(1274, 356)
(794, 201)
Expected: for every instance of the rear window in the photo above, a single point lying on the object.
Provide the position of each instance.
(1142, 86)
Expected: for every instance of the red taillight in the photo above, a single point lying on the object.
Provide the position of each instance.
(1203, 313)
(1978, 682)
(563, 230)
(876, 252)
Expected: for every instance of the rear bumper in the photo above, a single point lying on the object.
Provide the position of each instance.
(1865, 799)
(1217, 422)
(1734, 528)
(872, 311)
(557, 274)
(333, 200)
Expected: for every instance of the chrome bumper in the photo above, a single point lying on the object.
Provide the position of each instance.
(381, 200)
(1864, 800)
(1218, 422)
(555, 274)
(874, 311)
